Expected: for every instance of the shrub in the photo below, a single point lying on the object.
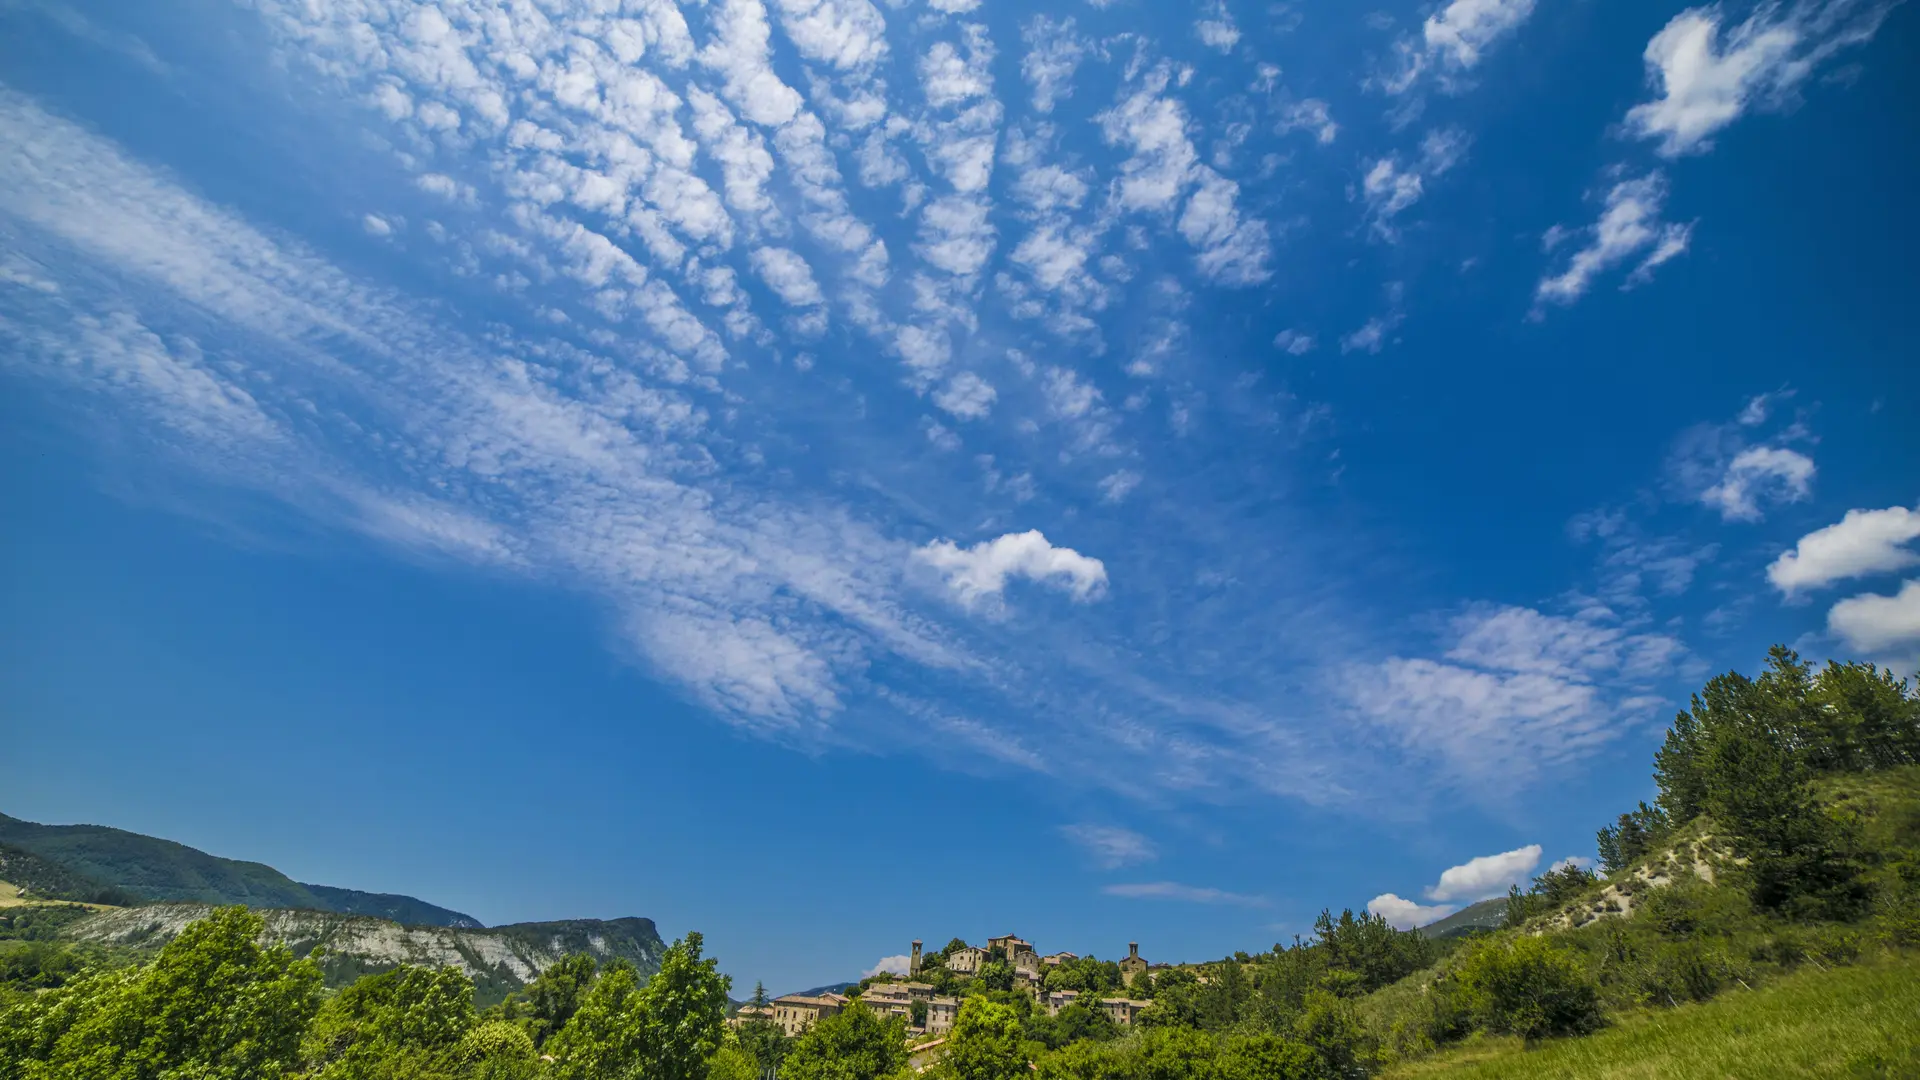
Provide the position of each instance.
(1530, 988)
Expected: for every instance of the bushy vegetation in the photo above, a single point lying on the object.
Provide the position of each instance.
(1784, 844)
(215, 1004)
(1848, 1023)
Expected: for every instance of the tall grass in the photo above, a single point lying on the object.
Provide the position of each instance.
(1853, 1022)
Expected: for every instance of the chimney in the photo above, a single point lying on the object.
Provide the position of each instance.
(913, 967)
(1133, 950)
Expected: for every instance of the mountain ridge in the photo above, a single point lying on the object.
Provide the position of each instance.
(166, 871)
(498, 959)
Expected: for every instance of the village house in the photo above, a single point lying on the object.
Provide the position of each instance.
(966, 961)
(1123, 1010)
(941, 1013)
(795, 1013)
(888, 1000)
(1008, 947)
(1058, 999)
(896, 999)
(1029, 967)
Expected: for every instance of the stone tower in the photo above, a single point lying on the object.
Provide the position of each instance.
(913, 965)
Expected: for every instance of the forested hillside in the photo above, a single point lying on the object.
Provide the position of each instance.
(1775, 881)
(37, 878)
(152, 869)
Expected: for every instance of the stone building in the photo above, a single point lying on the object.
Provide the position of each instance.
(796, 1013)
(1058, 999)
(888, 1000)
(1008, 946)
(1123, 1010)
(1132, 966)
(1056, 959)
(966, 961)
(941, 1013)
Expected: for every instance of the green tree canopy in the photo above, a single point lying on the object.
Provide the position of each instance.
(214, 1005)
(853, 1044)
(984, 1043)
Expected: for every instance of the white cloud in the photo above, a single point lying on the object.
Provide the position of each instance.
(1069, 397)
(1293, 342)
(1706, 78)
(981, 572)
(1119, 485)
(1456, 38)
(788, 275)
(1217, 31)
(1629, 224)
(967, 396)
(1389, 187)
(1371, 336)
(899, 964)
(741, 54)
(1864, 542)
(1518, 690)
(1405, 914)
(1109, 846)
(845, 34)
(1310, 114)
(446, 187)
(1192, 894)
(1232, 250)
(1880, 625)
(1486, 876)
(376, 225)
(1053, 54)
(1760, 474)
(950, 80)
(1462, 31)
(1162, 158)
(759, 610)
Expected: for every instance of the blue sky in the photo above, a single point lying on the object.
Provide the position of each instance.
(830, 472)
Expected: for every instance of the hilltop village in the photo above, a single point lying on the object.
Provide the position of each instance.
(929, 997)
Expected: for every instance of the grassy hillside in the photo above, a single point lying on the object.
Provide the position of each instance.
(1853, 1022)
(162, 870)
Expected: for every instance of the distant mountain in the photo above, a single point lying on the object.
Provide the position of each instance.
(1473, 919)
(38, 879)
(161, 870)
(498, 960)
(830, 988)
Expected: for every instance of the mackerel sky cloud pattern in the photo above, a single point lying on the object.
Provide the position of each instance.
(874, 359)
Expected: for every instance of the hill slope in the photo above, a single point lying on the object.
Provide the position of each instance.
(163, 870)
(37, 879)
(1485, 915)
(499, 959)
(1844, 1022)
